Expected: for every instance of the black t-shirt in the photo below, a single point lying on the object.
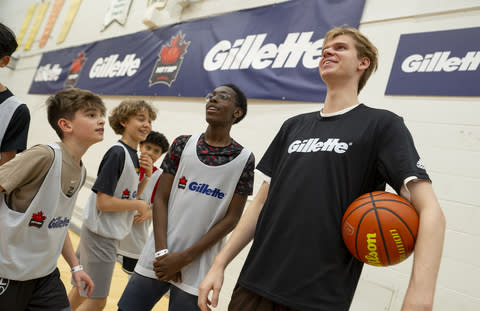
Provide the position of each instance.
(318, 166)
(111, 168)
(16, 135)
(212, 156)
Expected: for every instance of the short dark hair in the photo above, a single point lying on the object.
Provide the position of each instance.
(66, 102)
(8, 43)
(158, 139)
(241, 100)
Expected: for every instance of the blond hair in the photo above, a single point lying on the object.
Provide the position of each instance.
(364, 48)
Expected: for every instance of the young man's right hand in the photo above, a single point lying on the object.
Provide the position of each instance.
(212, 281)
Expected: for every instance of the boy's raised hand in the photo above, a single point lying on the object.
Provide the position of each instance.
(146, 164)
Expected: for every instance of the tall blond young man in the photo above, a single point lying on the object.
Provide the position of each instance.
(110, 209)
(298, 260)
(38, 193)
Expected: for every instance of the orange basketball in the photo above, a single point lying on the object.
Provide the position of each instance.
(380, 228)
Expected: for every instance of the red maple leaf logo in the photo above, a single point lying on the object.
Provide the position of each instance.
(171, 52)
(182, 181)
(38, 216)
(126, 192)
(78, 63)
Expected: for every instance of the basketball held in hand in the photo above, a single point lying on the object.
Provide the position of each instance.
(380, 228)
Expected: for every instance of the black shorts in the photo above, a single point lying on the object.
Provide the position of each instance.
(45, 293)
(128, 264)
(244, 299)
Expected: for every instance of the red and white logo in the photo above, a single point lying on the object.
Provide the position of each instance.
(37, 220)
(169, 61)
(182, 182)
(75, 69)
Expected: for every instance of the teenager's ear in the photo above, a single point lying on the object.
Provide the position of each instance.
(64, 125)
(4, 61)
(364, 63)
(237, 113)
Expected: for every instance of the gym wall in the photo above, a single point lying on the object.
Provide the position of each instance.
(446, 129)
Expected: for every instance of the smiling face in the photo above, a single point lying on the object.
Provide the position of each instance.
(221, 108)
(340, 60)
(137, 127)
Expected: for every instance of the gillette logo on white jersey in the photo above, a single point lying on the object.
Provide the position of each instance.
(315, 145)
(205, 189)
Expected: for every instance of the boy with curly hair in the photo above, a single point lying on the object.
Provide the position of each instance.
(110, 209)
(38, 190)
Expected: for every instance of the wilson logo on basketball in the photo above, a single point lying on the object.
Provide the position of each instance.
(399, 243)
(315, 145)
(372, 256)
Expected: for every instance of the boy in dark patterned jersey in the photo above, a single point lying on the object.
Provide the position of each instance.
(298, 260)
(204, 187)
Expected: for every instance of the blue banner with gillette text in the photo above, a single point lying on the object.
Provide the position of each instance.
(270, 52)
(440, 63)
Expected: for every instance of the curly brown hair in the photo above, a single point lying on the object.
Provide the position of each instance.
(127, 108)
(65, 103)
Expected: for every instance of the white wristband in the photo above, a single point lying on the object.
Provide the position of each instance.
(77, 268)
(161, 253)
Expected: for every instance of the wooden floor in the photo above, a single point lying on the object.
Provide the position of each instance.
(119, 281)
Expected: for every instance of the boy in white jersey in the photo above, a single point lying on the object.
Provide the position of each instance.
(205, 183)
(298, 260)
(131, 246)
(38, 193)
(109, 211)
(14, 115)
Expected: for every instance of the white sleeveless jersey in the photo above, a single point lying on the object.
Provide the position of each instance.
(114, 225)
(199, 199)
(7, 109)
(132, 245)
(31, 242)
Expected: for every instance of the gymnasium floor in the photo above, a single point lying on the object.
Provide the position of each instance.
(119, 281)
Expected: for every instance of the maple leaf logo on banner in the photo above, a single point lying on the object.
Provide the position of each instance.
(169, 60)
(75, 69)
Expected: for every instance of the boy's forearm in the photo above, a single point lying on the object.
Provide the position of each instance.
(160, 223)
(428, 247)
(160, 211)
(245, 229)
(68, 252)
(108, 203)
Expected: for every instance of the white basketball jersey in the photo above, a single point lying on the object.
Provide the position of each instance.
(31, 242)
(132, 245)
(114, 225)
(199, 199)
